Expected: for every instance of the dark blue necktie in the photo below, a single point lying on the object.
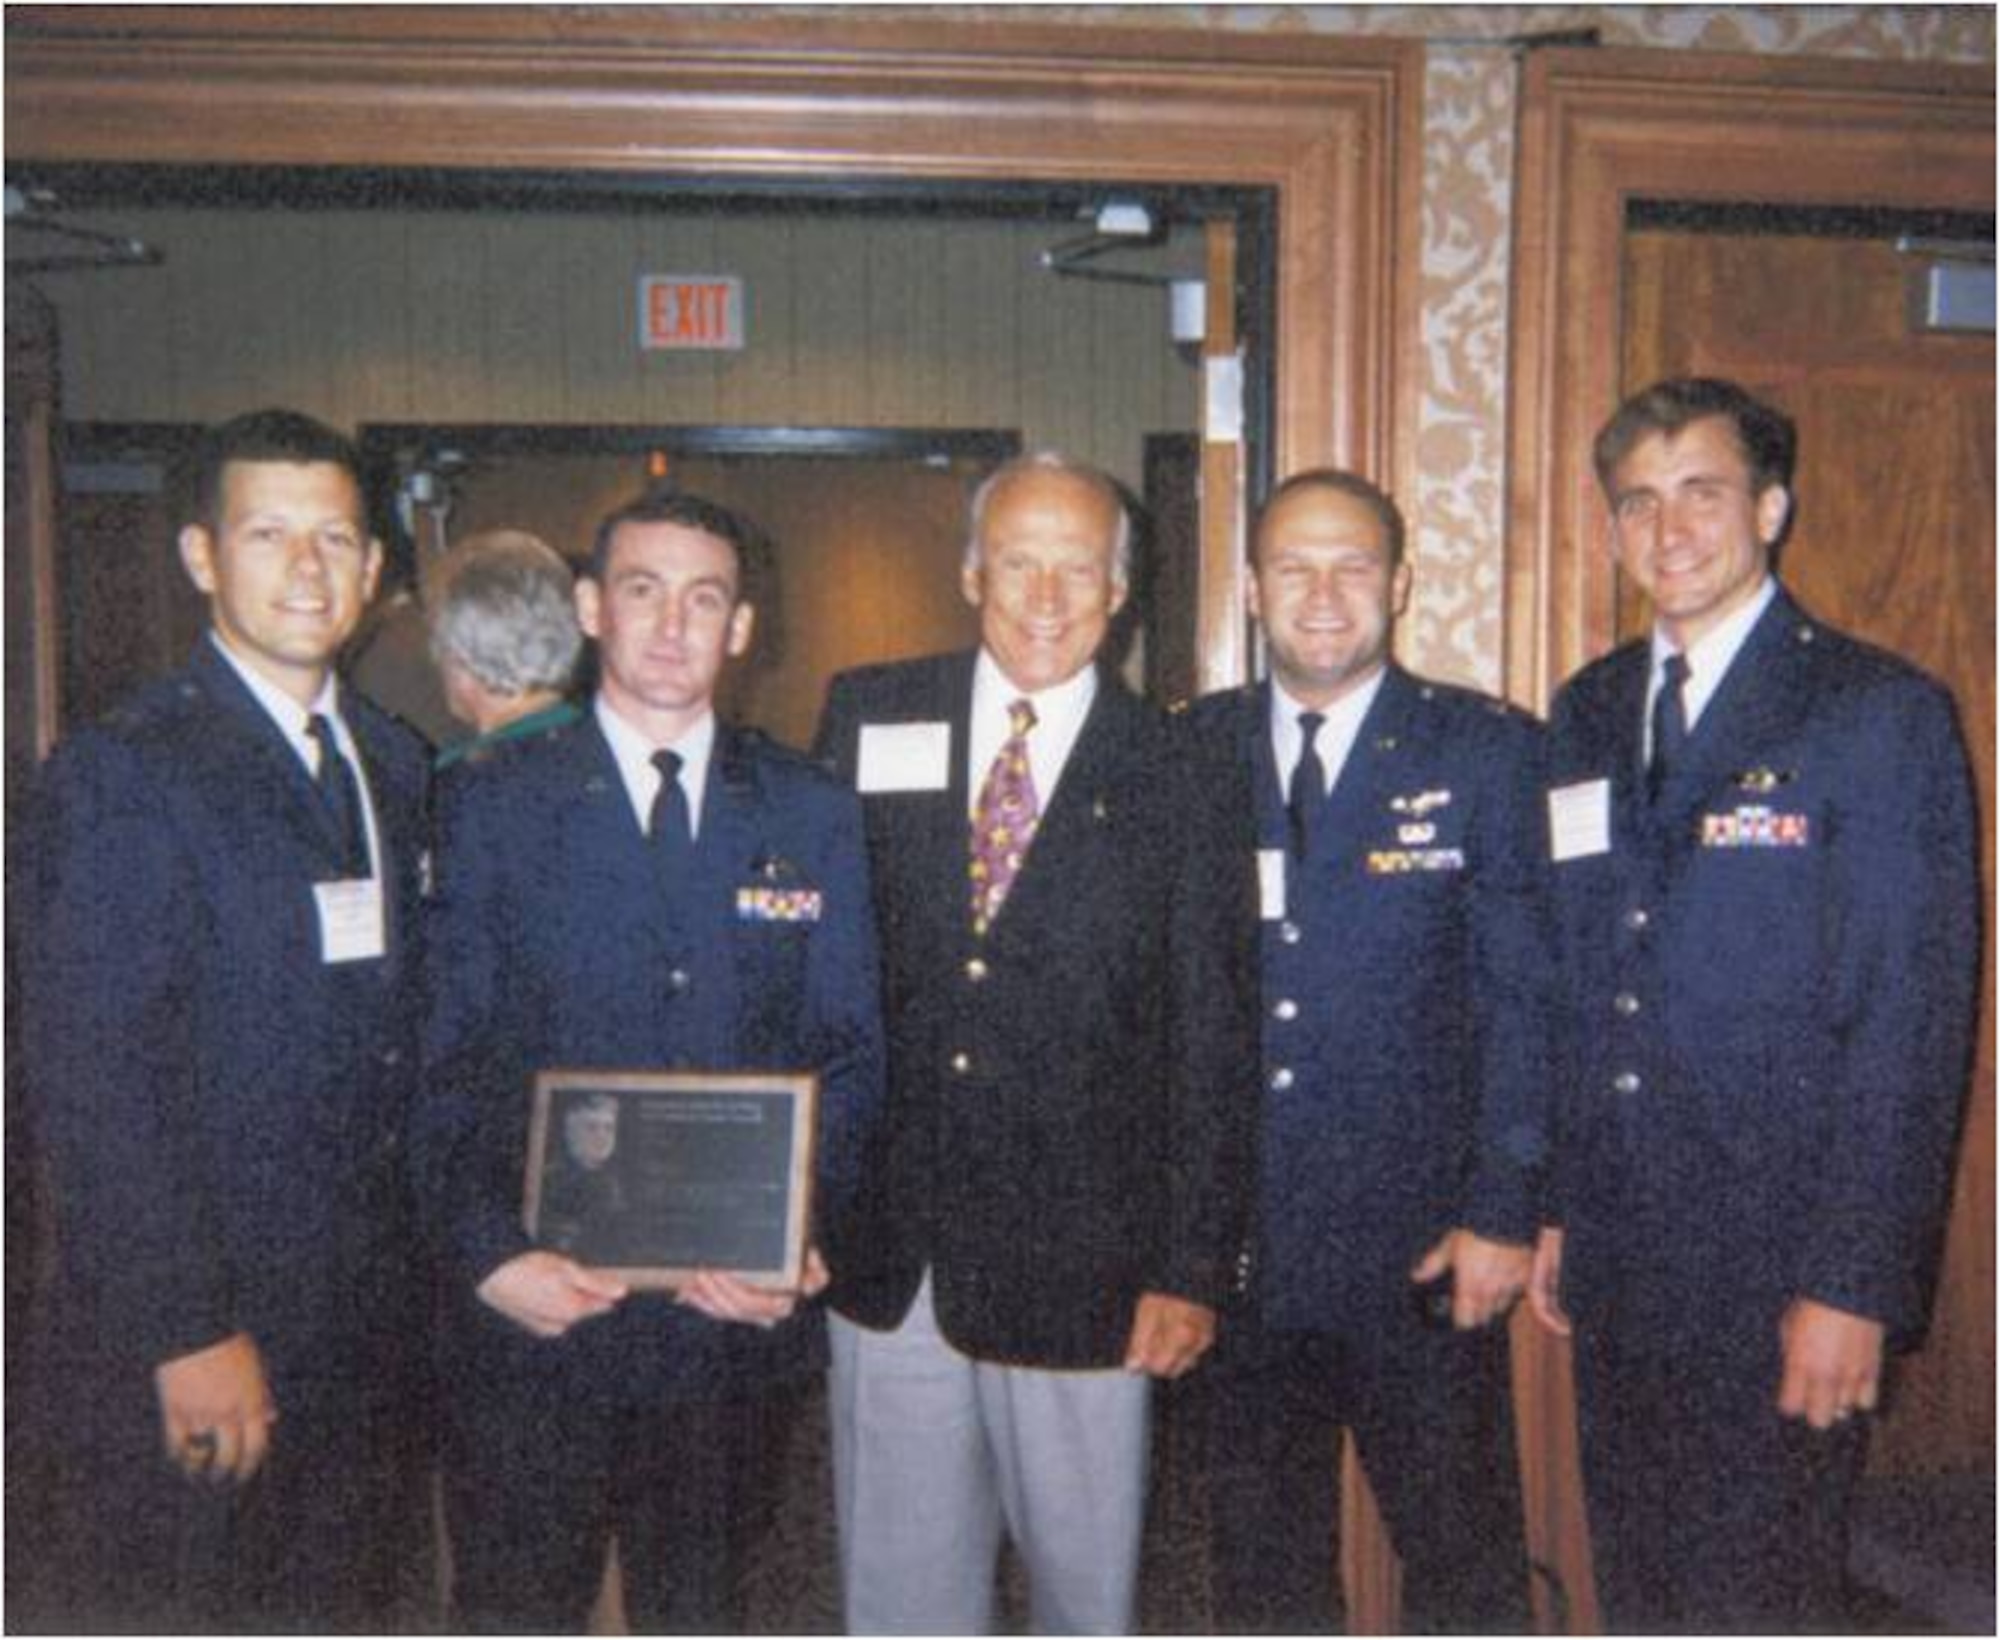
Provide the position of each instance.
(1670, 727)
(341, 794)
(1308, 789)
(668, 827)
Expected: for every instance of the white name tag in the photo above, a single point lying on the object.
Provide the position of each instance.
(350, 920)
(1271, 883)
(1580, 820)
(904, 757)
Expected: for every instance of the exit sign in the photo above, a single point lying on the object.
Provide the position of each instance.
(690, 311)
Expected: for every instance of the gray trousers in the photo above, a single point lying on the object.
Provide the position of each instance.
(933, 1453)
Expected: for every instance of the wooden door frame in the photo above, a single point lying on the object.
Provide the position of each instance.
(1332, 126)
(1602, 128)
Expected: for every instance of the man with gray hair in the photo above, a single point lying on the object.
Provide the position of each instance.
(505, 638)
(1053, 1207)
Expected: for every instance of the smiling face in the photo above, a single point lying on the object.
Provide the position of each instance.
(1044, 578)
(287, 566)
(1326, 592)
(666, 615)
(1689, 528)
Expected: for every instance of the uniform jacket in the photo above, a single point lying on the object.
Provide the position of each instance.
(1769, 985)
(557, 944)
(1406, 1007)
(222, 1107)
(1071, 1097)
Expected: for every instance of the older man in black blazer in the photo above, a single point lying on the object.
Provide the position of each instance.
(1056, 1203)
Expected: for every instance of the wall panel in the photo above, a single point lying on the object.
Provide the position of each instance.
(447, 316)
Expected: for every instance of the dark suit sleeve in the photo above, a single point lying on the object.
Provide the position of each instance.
(843, 1007)
(1213, 1055)
(1905, 863)
(1512, 964)
(113, 1045)
(463, 1147)
(836, 740)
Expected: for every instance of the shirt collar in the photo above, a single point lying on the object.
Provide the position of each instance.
(1711, 655)
(283, 710)
(1336, 736)
(1343, 717)
(1059, 709)
(633, 752)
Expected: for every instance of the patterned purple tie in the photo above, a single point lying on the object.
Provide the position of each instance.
(1003, 823)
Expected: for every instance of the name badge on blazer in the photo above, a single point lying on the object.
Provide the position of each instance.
(1579, 820)
(1756, 825)
(904, 757)
(1271, 884)
(351, 927)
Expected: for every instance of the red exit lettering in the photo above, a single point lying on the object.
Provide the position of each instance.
(688, 312)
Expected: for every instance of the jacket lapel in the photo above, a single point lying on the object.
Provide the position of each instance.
(253, 754)
(1374, 768)
(1619, 740)
(1090, 784)
(599, 832)
(729, 839)
(1759, 701)
(1261, 758)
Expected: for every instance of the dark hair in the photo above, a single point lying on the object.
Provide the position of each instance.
(670, 506)
(1764, 434)
(263, 435)
(1368, 494)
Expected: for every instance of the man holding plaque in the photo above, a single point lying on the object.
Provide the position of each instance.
(1054, 1207)
(645, 891)
(221, 1037)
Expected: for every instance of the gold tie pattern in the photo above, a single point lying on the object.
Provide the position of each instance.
(1004, 820)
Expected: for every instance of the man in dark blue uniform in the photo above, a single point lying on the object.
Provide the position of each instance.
(220, 1037)
(1399, 847)
(647, 889)
(1763, 847)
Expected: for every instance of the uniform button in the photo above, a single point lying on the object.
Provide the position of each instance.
(1638, 919)
(678, 980)
(961, 1063)
(1289, 933)
(392, 1056)
(1282, 1078)
(1285, 1008)
(1625, 1003)
(976, 969)
(1626, 1082)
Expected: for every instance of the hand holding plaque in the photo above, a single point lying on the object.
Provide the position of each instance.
(656, 1178)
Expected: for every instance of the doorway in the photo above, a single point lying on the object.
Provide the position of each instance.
(500, 308)
(864, 528)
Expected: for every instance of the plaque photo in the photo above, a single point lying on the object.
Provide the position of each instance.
(651, 1176)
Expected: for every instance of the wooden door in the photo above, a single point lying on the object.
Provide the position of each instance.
(866, 558)
(1894, 542)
